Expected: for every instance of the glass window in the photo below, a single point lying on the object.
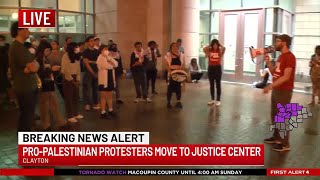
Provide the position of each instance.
(269, 20)
(39, 35)
(75, 38)
(89, 6)
(215, 22)
(9, 3)
(7, 17)
(50, 4)
(89, 24)
(287, 5)
(257, 4)
(226, 4)
(204, 22)
(204, 4)
(204, 41)
(72, 5)
(71, 22)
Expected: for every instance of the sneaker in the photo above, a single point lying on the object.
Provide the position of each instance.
(103, 116)
(79, 117)
(211, 102)
(179, 105)
(218, 103)
(96, 107)
(119, 101)
(112, 114)
(280, 148)
(137, 100)
(72, 120)
(169, 106)
(148, 100)
(271, 140)
(87, 107)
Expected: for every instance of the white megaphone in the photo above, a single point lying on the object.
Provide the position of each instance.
(254, 53)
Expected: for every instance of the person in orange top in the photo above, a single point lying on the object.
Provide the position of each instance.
(215, 53)
(282, 87)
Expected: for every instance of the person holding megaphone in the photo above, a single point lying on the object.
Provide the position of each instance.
(215, 52)
(282, 87)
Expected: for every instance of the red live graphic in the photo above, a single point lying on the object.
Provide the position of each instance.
(37, 18)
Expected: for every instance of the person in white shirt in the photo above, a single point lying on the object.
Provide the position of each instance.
(267, 78)
(107, 80)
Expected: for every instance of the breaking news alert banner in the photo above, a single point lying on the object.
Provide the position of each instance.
(161, 172)
(127, 149)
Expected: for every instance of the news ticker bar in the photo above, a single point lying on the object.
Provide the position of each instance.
(161, 172)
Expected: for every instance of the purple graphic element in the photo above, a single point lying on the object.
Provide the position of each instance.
(287, 111)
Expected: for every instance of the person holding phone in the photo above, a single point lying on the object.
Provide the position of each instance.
(54, 59)
(70, 68)
(48, 101)
(138, 63)
(107, 80)
(215, 52)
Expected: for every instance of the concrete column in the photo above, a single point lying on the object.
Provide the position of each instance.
(185, 24)
(106, 19)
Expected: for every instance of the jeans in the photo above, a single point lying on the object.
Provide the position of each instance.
(27, 104)
(48, 103)
(174, 87)
(151, 76)
(196, 76)
(117, 88)
(214, 74)
(283, 97)
(139, 79)
(71, 93)
(90, 89)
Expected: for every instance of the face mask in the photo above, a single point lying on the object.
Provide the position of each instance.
(106, 53)
(77, 50)
(32, 50)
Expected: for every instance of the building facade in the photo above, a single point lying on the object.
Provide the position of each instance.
(238, 24)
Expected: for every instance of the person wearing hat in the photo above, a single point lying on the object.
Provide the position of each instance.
(282, 87)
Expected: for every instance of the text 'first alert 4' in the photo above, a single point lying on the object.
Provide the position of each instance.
(83, 138)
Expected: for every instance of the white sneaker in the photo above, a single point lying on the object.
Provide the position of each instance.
(211, 102)
(137, 100)
(79, 117)
(72, 120)
(148, 100)
(96, 107)
(218, 103)
(87, 107)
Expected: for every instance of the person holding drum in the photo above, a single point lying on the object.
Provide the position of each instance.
(175, 64)
(215, 54)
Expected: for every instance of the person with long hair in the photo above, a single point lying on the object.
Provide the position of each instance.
(47, 97)
(315, 74)
(55, 61)
(175, 60)
(215, 52)
(70, 68)
(195, 71)
(106, 79)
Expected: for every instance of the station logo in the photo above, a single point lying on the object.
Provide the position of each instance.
(37, 18)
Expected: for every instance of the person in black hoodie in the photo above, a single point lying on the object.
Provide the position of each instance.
(138, 63)
(114, 52)
(151, 67)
